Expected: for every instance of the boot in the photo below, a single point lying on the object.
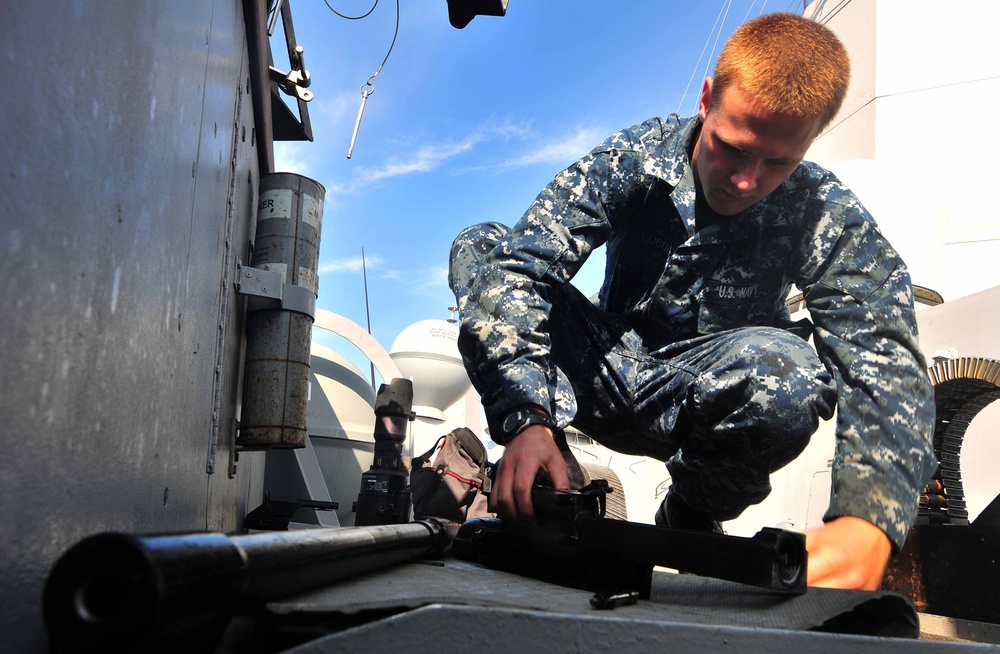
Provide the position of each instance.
(674, 512)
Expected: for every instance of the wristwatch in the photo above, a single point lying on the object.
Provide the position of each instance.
(519, 419)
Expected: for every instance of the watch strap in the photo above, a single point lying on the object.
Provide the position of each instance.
(518, 419)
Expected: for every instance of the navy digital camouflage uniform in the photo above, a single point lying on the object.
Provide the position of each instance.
(689, 354)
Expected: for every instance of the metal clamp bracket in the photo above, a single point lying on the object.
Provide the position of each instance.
(267, 284)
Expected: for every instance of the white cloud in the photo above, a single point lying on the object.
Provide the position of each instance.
(397, 275)
(374, 267)
(427, 158)
(334, 110)
(560, 152)
(436, 277)
(424, 160)
(351, 264)
(427, 281)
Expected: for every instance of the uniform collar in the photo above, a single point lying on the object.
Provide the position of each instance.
(670, 161)
(672, 164)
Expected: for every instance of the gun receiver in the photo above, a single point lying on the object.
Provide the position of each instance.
(575, 545)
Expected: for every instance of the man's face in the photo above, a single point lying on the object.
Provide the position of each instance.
(745, 151)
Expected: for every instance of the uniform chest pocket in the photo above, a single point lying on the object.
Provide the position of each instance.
(724, 305)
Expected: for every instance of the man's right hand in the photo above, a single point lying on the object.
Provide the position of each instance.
(532, 450)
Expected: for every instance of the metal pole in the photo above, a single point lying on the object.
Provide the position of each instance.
(368, 315)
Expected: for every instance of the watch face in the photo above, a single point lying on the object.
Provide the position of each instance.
(511, 422)
(518, 420)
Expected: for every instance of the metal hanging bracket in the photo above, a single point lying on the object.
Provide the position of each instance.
(296, 80)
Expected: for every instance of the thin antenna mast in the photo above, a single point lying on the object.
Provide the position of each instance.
(368, 316)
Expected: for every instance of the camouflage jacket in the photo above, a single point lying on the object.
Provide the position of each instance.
(636, 193)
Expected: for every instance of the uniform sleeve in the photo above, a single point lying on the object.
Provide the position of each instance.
(860, 298)
(504, 326)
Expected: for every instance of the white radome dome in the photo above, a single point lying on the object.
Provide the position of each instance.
(427, 353)
(342, 401)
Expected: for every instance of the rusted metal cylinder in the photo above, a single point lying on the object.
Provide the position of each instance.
(279, 333)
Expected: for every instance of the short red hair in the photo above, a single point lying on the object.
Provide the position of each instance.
(788, 63)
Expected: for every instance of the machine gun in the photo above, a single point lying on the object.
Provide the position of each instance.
(575, 545)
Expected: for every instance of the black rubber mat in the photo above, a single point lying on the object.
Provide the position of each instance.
(674, 598)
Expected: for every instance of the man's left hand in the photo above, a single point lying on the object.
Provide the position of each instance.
(847, 552)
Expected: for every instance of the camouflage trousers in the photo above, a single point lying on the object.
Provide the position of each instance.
(723, 410)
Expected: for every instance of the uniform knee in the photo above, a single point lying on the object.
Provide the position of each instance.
(776, 385)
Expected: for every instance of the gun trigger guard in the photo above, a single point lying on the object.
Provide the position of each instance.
(598, 489)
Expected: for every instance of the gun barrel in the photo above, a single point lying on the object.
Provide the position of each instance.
(121, 592)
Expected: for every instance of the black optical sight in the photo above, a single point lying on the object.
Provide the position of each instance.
(385, 498)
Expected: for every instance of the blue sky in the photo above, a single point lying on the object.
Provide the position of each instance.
(468, 125)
